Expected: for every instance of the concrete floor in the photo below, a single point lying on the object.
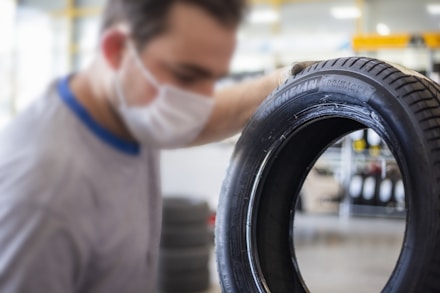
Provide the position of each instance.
(343, 255)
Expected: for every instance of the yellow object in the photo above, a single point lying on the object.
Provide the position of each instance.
(375, 151)
(359, 145)
(376, 42)
(432, 40)
(362, 42)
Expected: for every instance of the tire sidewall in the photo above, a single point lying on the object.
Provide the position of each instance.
(283, 114)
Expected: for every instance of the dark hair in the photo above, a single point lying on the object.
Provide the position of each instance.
(147, 18)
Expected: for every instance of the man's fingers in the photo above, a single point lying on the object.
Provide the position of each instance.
(300, 66)
(286, 72)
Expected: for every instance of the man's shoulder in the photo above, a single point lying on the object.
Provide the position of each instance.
(45, 112)
(44, 128)
(36, 144)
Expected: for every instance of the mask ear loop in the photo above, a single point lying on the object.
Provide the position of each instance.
(148, 75)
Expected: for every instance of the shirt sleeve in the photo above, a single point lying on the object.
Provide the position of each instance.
(39, 251)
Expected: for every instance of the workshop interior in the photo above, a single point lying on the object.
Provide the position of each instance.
(351, 212)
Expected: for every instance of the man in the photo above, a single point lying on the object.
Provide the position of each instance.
(80, 205)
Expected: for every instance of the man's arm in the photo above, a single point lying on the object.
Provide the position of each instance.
(236, 104)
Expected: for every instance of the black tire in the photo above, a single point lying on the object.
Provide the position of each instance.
(386, 192)
(185, 281)
(179, 260)
(370, 190)
(184, 210)
(181, 236)
(292, 128)
(355, 188)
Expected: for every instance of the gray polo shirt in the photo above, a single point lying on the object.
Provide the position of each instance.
(80, 209)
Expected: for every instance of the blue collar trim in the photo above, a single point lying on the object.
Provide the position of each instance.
(63, 88)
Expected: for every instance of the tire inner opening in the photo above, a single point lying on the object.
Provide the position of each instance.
(278, 194)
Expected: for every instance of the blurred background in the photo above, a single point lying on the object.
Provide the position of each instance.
(352, 212)
(43, 39)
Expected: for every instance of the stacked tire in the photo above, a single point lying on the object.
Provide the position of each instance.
(185, 246)
(369, 188)
(391, 192)
(356, 187)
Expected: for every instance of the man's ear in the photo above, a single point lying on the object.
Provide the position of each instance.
(113, 45)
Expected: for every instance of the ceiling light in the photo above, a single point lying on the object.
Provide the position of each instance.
(383, 29)
(433, 8)
(345, 12)
(263, 16)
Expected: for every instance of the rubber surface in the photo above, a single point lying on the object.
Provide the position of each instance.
(183, 210)
(185, 246)
(181, 236)
(180, 260)
(185, 282)
(288, 133)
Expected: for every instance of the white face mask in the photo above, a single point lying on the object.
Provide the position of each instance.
(173, 119)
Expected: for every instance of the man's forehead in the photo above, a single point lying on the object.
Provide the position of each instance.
(201, 70)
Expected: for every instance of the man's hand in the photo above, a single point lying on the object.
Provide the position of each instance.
(300, 66)
(294, 69)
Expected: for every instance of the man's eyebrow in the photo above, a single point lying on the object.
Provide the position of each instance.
(199, 71)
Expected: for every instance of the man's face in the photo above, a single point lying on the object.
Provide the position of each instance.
(193, 53)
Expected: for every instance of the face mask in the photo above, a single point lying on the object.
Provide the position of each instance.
(173, 119)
